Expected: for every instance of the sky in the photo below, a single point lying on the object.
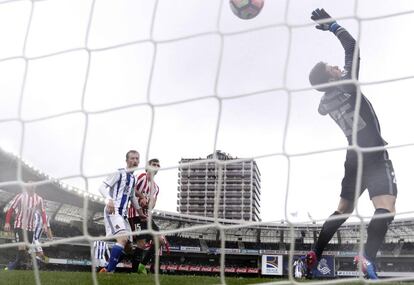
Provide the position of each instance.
(82, 84)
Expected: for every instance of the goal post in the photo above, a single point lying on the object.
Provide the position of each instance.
(84, 81)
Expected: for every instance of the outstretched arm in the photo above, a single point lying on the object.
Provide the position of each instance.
(327, 23)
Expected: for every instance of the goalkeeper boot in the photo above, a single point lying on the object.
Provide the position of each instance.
(142, 269)
(367, 267)
(103, 270)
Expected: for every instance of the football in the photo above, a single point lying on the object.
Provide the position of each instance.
(246, 9)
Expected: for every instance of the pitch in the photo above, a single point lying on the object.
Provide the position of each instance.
(75, 278)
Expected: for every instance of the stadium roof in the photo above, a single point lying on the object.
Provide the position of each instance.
(400, 229)
(63, 202)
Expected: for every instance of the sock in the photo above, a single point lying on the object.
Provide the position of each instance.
(329, 228)
(377, 229)
(149, 255)
(136, 258)
(114, 258)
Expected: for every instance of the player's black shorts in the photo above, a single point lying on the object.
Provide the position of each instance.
(18, 235)
(141, 226)
(377, 176)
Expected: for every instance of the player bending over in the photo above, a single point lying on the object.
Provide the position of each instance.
(37, 233)
(298, 267)
(377, 171)
(101, 253)
(117, 190)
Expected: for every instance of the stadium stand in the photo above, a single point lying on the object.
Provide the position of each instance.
(194, 251)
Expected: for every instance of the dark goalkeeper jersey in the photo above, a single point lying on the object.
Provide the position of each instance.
(339, 102)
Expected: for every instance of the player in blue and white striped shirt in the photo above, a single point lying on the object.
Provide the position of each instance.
(37, 233)
(117, 190)
(101, 250)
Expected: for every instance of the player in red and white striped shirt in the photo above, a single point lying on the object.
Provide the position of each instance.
(147, 192)
(146, 189)
(24, 206)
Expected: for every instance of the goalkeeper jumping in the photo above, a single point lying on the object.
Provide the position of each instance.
(339, 101)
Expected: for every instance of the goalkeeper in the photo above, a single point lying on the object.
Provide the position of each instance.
(339, 101)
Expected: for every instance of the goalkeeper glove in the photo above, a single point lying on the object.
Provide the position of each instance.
(321, 15)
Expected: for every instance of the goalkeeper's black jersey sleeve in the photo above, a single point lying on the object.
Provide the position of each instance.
(340, 101)
(349, 44)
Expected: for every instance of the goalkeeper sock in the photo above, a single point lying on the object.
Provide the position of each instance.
(149, 255)
(329, 228)
(115, 255)
(377, 229)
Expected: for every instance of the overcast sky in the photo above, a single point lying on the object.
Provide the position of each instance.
(91, 93)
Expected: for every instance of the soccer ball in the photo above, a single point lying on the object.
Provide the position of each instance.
(246, 9)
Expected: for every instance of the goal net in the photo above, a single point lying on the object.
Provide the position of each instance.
(84, 81)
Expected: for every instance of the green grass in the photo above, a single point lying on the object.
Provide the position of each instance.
(78, 278)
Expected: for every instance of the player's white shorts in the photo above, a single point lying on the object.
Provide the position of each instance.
(115, 224)
(38, 246)
(298, 274)
(101, 263)
(36, 236)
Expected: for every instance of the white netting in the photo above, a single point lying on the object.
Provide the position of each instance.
(166, 74)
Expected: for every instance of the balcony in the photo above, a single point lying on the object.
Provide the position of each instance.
(198, 166)
(190, 187)
(211, 192)
(237, 175)
(193, 193)
(196, 173)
